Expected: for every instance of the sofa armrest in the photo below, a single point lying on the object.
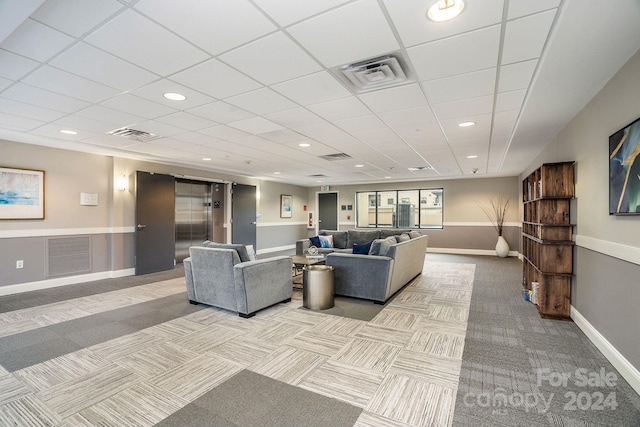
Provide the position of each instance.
(262, 283)
(361, 276)
(302, 246)
(188, 275)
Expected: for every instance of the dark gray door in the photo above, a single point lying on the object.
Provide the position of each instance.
(155, 222)
(243, 214)
(328, 211)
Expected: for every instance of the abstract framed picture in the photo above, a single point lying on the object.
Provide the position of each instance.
(285, 205)
(624, 170)
(21, 193)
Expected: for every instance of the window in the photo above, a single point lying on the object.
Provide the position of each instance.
(403, 208)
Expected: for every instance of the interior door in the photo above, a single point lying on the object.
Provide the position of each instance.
(243, 214)
(155, 222)
(328, 211)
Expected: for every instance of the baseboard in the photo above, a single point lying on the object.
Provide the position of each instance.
(626, 369)
(64, 281)
(462, 251)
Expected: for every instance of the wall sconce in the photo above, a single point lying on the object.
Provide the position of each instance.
(122, 183)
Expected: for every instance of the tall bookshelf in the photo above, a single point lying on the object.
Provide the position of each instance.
(547, 237)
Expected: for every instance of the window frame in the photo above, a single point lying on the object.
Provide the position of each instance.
(421, 196)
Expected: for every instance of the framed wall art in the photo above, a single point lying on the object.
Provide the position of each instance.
(21, 193)
(286, 202)
(624, 170)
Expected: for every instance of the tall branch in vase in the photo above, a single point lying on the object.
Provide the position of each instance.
(497, 212)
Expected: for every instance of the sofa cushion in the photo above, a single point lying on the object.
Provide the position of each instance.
(386, 245)
(339, 238)
(362, 249)
(326, 241)
(315, 241)
(386, 232)
(413, 234)
(241, 249)
(358, 237)
(402, 237)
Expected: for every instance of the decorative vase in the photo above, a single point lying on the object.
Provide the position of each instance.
(502, 247)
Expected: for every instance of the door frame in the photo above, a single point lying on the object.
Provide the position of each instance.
(337, 193)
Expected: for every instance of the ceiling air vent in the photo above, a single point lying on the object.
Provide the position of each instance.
(136, 135)
(373, 74)
(420, 168)
(336, 156)
(319, 175)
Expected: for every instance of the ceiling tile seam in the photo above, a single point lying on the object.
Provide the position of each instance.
(550, 36)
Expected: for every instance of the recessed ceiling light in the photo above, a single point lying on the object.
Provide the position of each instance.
(276, 173)
(359, 166)
(466, 124)
(445, 10)
(206, 159)
(387, 177)
(174, 96)
(304, 144)
(68, 132)
(473, 156)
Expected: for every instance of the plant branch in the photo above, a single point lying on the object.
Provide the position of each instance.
(497, 213)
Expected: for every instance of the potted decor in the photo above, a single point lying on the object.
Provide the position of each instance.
(497, 214)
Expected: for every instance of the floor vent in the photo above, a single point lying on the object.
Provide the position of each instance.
(375, 73)
(136, 135)
(68, 255)
(336, 156)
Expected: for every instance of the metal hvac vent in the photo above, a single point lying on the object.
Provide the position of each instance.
(373, 74)
(420, 168)
(318, 175)
(136, 135)
(336, 156)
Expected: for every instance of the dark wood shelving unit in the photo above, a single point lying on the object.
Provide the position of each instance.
(547, 237)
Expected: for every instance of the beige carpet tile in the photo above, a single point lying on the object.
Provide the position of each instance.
(437, 344)
(434, 369)
(348, 383)
(277, 332)
(244, 350)
(142, 405)
(127, 344)
(28, 411)
(367, 419)
(11, 388)
(395, 319)
(73, 396)
(453, 294)
(155, 360)
(288, 364)
(448, 312)
(368, 354)
(53, 372)
(340, 326)
(196, 377)
(205, 339)
(443, 326)
(241, 325)
(384, 334)
(174, 328)
(414, 402)
(208, 316)
(60, 316)
(301, 317)
(315, 341)
(17, 326)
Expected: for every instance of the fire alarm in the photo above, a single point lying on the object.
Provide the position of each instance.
(304, 208)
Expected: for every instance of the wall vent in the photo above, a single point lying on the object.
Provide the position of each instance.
(68, 255)
(136, 135)
(375, 73)
(336, 156)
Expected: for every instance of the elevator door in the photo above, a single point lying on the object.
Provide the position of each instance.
(193, 216)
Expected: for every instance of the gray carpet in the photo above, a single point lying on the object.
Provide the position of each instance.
(512, 357)
(249, 399)
(354, 308)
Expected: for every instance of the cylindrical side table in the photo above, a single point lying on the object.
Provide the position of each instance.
(317, 287)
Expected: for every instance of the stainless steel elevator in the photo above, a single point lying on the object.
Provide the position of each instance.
(193, 215)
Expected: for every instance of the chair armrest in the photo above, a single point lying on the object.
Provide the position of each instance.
(302, 246)
(262, 283)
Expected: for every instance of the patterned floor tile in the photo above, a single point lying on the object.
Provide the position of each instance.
(28, 411)
(244, 350)
(204, 340)
(323, 343)
(384, 334)
(437, 344)
(372, 355)
(156, 360)
(288, 364)
(434, 369)
(11, 388)
(338, 325)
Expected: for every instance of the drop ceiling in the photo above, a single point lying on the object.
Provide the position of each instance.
(259, 79)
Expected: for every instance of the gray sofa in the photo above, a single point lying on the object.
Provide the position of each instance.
(376, 277)
(222, 276)
(343, 241)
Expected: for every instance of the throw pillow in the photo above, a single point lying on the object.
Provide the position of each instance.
(414, 234)
(251, 252)
(403, 237)
(375, 247)
(315, 241)
(326, 241)
(385, 245)
(362, 249)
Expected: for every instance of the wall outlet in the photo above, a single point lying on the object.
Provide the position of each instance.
(19, 263)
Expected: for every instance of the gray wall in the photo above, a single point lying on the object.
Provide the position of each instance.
(606, 285)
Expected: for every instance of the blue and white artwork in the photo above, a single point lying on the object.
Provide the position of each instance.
(624, 170)
(21, 194)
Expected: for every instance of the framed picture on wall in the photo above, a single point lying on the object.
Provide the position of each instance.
(624, 170)
(286, 202)
(21, 193)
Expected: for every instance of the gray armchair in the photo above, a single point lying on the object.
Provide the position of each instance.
(215, 276)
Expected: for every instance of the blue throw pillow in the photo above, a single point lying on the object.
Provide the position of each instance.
(362, 249)
(315, 241)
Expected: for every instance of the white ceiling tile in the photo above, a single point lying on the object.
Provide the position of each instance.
(510, 100)
(108, 115)
(10, 106)
(294, 118)
(36, 41)
(186, 121)
(410, 19)
(461, 86)
(284, 136)
(351, 28)
(197, 138)
(22, 124)
(474, 51)
(14, 14)
(525, 37)
(132, 37)
(343, 108)
(5, 83)
(272, 59)
(505, 118)
(155, 92)
(59, 14)
(516, 76)
(76, 122)
(518, 8)
(64, 83)
(42, 98)
(417, 116)
(464, 108)
(52, 130)
(261, 101)
(357, 124)
(255, 125)
(312, 89)
(158, 128)
(214, 26)
(111, 141)
(220, 112)
(286, 12)
(224, 133)
(141, 107)
(319, 130)
(94, 64)
(396, 98)
(14, 66)
(216, 79)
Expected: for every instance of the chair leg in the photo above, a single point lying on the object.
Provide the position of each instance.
(246, 316)
(287, 300)
(193, 302)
